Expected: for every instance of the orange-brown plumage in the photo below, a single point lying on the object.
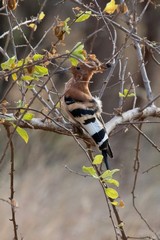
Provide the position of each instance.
(82, 107)
(82, 74)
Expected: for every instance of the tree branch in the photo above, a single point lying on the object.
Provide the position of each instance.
(69, 128)
(12, 191)
(131, 115)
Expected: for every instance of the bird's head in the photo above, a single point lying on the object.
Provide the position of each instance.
(85, 70)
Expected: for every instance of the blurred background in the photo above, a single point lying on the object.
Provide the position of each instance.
(54, 203)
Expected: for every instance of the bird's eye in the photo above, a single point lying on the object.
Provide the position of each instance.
(78, 68)
(108, 65)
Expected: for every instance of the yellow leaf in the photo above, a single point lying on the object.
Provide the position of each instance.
(12, 4)
(111, 193)
(33, 26)
(113, 181)
(126, 94)
(111, 7)
(22, 133)
(58, 105)
(122, 8)
(83, 16)
(28, 116)
(121, 94)
(115, 203)
(41, 16)
(90, 170)
(121, 204)
(121, 225)
(14, 76)
(98, 159)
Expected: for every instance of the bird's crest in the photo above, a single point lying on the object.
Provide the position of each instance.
(85, 70)
(93, 63)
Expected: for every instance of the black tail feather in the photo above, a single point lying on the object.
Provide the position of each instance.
(105, 157)
(109, 151)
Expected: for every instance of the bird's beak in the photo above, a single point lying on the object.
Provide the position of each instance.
(105, 66)
(102, 67)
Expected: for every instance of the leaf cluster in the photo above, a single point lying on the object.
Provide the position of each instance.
(106, 178)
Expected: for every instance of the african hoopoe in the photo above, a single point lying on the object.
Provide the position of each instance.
(85, 109)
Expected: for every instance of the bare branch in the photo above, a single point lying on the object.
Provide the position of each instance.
(25, 23)
(12, 191)
(131, 115)
(145, 78)
(147, 138)
(136, 170)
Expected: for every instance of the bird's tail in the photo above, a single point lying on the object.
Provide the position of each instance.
(105, 153)
(105, 158)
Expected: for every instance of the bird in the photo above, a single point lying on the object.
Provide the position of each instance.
(84, 109)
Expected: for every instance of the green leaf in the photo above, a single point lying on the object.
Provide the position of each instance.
(83, 16)
(22, 133)
(131, 95)
(74, 62)
(78, 52)
(20, 63)
(28, 116)
(40, 70)
(20, 103)
(98, 159)
(8, 64)
(115, 203)
(126, 94)
(113, 181)
(90, 170)
(37, 56)
(27, 78)
(121, 94)
(30, 86)
(111, 193)
(109, 173)
(66, 28)
(115, 171)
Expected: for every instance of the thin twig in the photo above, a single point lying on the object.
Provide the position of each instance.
(11, 31)
(136, 168)
(77, 173)
(12, 191)
(134, 90)
(139, 19)
(141, 238)
(150, 102)
(149, 169)
(144, 74)
(20, 29)
(121, 79)
(147, 138)
(25, 23)
(4, 53)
